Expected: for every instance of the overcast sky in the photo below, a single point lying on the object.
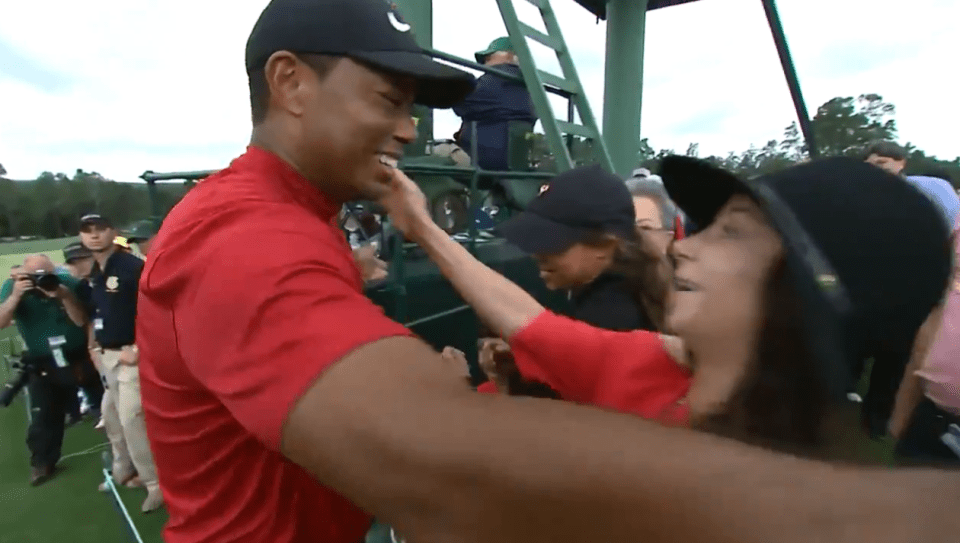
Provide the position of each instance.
(122, 86)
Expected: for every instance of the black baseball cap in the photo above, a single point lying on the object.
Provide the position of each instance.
(95, 218)
(75, 251)
(570, 208)
(369, 31)
(868, 253)
(142, 231)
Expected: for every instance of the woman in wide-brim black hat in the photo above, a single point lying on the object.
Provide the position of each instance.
(792, 276)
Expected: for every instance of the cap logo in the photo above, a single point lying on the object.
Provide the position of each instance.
(827, 281)
(543, 188)
(395, 21)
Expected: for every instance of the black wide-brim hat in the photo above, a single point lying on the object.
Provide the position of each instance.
(868, 254)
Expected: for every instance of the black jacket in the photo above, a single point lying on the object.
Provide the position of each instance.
(494, 102)
(604, 303)
(607, 303)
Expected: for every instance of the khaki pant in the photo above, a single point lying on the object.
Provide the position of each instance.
(123, 420)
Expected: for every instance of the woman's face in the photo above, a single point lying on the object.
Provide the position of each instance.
(721, 275)
(577, 266)
(650, 219)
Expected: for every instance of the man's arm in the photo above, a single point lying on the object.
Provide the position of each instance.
(474, 105)
(502, 305)
(499, 303)
(911, 388)
(11, 293)
(72, 305)
(391, 429)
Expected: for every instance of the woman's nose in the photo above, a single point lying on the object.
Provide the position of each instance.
(681, 249)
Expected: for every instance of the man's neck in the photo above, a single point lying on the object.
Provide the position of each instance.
(102, 256)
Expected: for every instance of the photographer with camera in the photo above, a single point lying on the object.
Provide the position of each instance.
(45, 303)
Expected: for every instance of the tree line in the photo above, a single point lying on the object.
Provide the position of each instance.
(843, 126)
(51, 205)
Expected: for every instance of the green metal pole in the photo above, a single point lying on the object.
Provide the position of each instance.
(790, 71)
(154, 197)
(419, 14)
(623, 86)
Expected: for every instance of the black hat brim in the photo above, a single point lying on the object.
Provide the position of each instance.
(439, 86)
(537, 235)
(71, 257)
(701, 190)
(98, 220)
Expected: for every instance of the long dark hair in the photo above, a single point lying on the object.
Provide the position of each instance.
(782, 402)
(645, 270)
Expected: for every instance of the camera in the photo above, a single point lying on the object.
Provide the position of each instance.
(21, 374)
(44, 280)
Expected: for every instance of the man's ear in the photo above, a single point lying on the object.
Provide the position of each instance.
(285, 79)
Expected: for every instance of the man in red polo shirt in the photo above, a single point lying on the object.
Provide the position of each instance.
(280, 401)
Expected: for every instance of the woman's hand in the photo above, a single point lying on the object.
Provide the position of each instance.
(407, 206)
(456, 360)
(497, 363)
(371, 267)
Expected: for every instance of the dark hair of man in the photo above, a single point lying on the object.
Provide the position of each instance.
(782, 401)
(886, 149)
(321, 65)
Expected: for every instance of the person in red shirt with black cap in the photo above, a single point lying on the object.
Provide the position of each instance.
(771, 305)
(576, 229)
(581, 230)
(251, 293)
(280, 401)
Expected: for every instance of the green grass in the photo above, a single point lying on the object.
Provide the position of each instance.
(7, 261)
(13, 253)
(38, 246)
(68, 507)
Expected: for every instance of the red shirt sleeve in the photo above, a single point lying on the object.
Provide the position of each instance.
(629, 372)
(487, 388)
(280, 303)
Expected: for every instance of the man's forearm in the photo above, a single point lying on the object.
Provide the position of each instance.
(912, 386)
(500, 303)
(541, 471)
(73, 308)
(7, 309)
(589, 480)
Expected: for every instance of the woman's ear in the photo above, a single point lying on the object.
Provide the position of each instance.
(608, 246)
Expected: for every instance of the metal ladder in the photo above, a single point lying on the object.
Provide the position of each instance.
(535, 78)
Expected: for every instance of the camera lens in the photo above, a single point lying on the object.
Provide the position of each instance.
(48, 282)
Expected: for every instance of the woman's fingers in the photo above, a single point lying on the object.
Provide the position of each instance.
(456, 359)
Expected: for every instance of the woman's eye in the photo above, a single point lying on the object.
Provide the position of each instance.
(730, 229)
(395, 102)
